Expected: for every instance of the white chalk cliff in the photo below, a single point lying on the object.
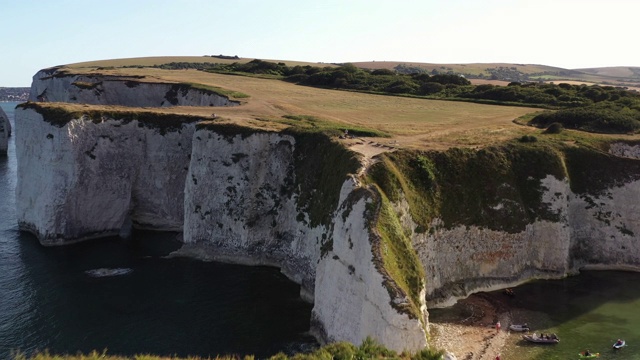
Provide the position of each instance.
(235, 195)
(93, 179)
(464, 260)
(53, 86)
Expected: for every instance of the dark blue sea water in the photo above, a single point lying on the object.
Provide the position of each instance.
(50, 300)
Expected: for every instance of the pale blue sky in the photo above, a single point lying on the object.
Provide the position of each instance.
(37, 34)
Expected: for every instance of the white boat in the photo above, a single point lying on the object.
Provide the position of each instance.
(618, 344)
(542, 339)
(519, 327)
(102, 272)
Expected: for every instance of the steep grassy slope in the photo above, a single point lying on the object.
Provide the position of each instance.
(496, 187)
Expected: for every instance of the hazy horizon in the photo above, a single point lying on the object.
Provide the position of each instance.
(570, 34)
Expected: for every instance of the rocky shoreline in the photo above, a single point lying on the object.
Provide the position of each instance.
(469, 331)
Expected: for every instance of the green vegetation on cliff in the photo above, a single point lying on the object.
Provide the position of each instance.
(321, 167)
(369, 349)
(395, 258)
(61, 114)
(496, 187)
(591, 171)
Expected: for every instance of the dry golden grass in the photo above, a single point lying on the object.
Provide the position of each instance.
(490, 82)
(412, 122)
(159, 60)
(614, 71)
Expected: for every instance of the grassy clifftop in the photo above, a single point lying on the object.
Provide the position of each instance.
(59, 115)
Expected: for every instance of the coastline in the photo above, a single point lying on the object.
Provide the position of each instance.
(470, 333)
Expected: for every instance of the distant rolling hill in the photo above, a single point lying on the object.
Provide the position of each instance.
(626, 72)
(478, 73)
(625, 76)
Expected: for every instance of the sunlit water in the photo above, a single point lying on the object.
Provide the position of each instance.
(588, 311)
(123, 296)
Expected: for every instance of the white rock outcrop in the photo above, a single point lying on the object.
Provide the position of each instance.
(239, 198)
(240, 204)
(468, 259)
(233, 196)
(625, 150)
(90, 179)
(350, 303)
(52, 86)
(5, 131)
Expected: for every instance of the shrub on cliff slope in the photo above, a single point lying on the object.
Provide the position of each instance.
(369, 349)
(595, 119)
(497, 187)
(321, 166)
(396, 260)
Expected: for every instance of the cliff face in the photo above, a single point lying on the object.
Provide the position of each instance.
(90, 179)
(5, 131)
(239, 198)
(51, 86)
(243, 205)
(239, 195)
(586, 218)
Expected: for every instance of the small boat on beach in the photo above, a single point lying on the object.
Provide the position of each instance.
(542, 339)
(618, 344)
(519, 327)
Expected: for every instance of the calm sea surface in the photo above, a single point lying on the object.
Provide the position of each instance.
(588, 311)
(161, 306)
(180, 306)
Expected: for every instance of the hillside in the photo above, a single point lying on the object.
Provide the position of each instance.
(616, 76)
(159, 60)
(478, 73)
(410, 122)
